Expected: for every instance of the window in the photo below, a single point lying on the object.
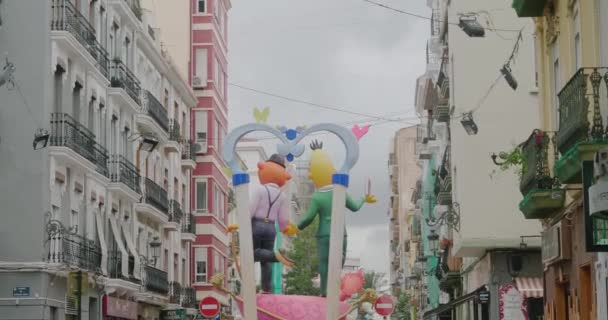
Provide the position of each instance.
(166, 99)
(576, 21)
(218, 77)
(113, 133)
(102, 125)
(218, 202)
(127, 54)
(91, 115)
(201, 265)
(216, 134)
(201, 6)
(74, 221)
(200, 68)
(58, 90)
(201, 130)
(76, 101)
(556, 83)
(201, 196)
(216, 263)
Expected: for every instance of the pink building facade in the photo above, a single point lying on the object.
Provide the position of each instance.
(207, 76)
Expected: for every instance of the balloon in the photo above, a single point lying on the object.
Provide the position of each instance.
(351, 283)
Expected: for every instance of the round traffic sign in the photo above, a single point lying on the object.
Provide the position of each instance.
(384, 305)
(209, 307)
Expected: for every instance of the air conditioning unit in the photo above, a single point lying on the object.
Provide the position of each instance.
(201, 142)
(197, 82)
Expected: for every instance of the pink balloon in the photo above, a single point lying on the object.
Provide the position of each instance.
(351, 283)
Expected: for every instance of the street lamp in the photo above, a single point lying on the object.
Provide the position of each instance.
(148, 142)
(41, 139)
(469, 124)
(155, 245)
(470, 26)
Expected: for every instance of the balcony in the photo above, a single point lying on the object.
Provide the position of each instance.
(189, 298)
(529, 8)
(175, 292)
(175, 133)
(582, 126)
(188, 228)
(125, 172)
(67, 132)
(443, 183)
(156, 196)
(542, 194)
(188, 155)
(73, 250)
(155, 280)
(65, 17)
(123, 77)
(115, 267)
(175, 212)
(175, 136)
(156, 111)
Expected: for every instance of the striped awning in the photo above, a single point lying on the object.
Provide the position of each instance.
(530, 287)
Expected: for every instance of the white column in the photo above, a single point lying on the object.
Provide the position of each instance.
(246, 251)
(336, 241)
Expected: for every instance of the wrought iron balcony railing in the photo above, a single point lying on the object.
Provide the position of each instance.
(156, 110)
(188, 151)
(72, 249)
(175, 292)
(443, 182)
(189, 224)
(189, 298)
(65, 17)
(175, 133)
(123, 77)
(115, 267)
(123, 171)
(175, 211)
(155, 280)
(67, 132)
(156, 196)
(580, 109)
(535, 163)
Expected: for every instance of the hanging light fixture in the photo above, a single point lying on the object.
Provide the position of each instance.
(506, 72)
(470, 26)
(41, 139)
(469, 124)
(433, 242)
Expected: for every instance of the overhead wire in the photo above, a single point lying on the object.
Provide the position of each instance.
(323, 106)
(426, 17)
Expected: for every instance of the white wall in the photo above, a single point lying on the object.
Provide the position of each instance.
(489, 206)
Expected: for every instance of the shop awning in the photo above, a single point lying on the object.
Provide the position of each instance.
(530, 287)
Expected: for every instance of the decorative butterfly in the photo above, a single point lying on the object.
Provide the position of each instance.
(359, 132)
(261, 116)
(227, 171)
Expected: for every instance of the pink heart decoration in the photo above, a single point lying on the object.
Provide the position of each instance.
(359, 132)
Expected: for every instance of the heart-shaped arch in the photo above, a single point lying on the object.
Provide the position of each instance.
(286, 147)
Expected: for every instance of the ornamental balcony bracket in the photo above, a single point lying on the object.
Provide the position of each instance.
(450, 217)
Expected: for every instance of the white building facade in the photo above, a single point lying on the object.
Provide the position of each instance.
(116, 170)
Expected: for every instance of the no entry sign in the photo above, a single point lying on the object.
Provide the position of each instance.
(209, 307)
(384, 305)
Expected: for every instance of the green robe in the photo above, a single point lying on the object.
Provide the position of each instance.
(320, 204)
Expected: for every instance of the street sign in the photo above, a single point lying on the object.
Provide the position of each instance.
(384, 305)
(209, 307)
(21, 292)
(484, 297)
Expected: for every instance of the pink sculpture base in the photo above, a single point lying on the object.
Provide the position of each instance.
(288, 307)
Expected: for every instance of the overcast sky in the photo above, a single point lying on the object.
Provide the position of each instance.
(343, 53)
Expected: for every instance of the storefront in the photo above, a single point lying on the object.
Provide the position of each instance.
(118, 309)
(472, 306)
